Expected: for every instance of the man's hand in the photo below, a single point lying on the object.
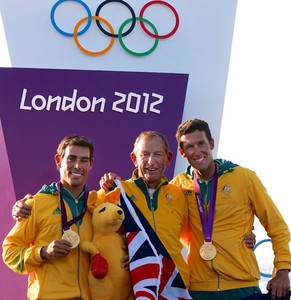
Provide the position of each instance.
(107, 181)
(280, 284)
(250, 240)
(125, 260)
(57, 248)
(20, 209)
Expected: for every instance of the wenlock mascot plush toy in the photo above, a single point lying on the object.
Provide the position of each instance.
(107, 279)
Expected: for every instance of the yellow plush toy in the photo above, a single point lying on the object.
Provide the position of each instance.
(107, 279)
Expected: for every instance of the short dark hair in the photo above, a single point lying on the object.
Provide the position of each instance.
(190, 126)
(77, 140)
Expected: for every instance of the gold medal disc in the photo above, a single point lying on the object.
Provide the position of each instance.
(207, 251)
(72, 237)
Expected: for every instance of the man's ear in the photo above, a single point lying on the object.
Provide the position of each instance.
(91, 163)
(181, 152)
(211, 144)
(133, 158)
(58, 161)
(169, 157)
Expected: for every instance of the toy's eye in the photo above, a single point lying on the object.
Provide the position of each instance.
(102, 209)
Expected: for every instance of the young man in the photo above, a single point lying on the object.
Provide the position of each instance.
(46, 245)
(223, 199)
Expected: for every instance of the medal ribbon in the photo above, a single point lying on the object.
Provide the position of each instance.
(207, 221)
(65, 224)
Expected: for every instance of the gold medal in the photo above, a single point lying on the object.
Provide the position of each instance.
(72, 237)
(207, 251)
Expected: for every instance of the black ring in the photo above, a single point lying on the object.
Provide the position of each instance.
(109, 33)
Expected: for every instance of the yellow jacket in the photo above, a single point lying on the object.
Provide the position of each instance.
(61, 278)
(167, 213)
(240, 197)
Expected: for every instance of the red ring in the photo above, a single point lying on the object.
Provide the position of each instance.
(171, 8)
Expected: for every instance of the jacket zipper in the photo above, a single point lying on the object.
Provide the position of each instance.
(153, 213)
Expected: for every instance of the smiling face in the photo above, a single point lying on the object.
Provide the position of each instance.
(197, 149)
(74, 167)
(151, 158)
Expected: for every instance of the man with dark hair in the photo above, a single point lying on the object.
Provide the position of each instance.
(223, 200)
(46, 245)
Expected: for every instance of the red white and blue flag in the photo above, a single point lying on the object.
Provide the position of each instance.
(154, 274)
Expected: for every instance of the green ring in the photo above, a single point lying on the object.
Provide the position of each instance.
(130, 51)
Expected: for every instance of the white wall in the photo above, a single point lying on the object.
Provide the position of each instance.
(256, 120)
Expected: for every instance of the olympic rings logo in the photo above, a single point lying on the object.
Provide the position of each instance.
(110, 31)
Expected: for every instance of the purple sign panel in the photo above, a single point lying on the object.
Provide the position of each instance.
(40, 106)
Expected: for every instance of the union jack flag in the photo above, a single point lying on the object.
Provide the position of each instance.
(154, 274)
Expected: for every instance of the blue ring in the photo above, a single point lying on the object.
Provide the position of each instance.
(256, 246)
(64, 32)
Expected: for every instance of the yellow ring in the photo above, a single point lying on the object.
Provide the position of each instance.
(94, 53)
